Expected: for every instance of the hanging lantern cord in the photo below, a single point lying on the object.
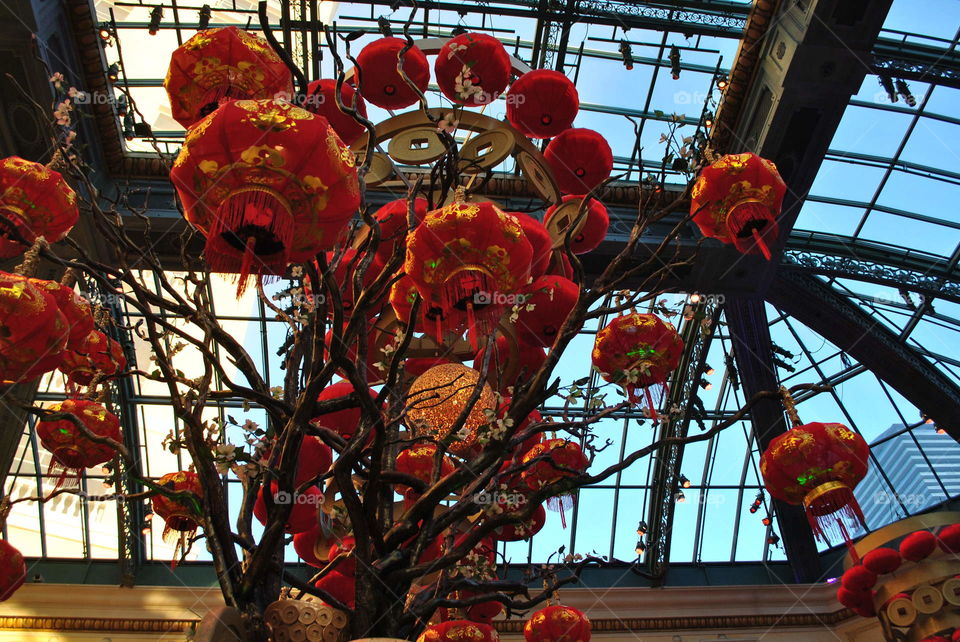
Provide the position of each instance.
(790, 406)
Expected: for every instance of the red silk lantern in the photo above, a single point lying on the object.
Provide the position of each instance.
(459, 631)
(580, 159)
(217, 65)
(818, 465)
(542, 103)
(375, 354)
(918, 546)
(347, 565)
(381, 82)
(13, 570)
(343, 422)
(321, 100)
(75, 309)
(418, 365)
(529, 359)
(560, 458)
(858, 578)
(33, 330)
(549, 301)
(313, 459)
(595, 225)
(73, 451)
(37, 201)
(737, 200)
(637, 351)
(343, 275)
(417, 461)
(267, 183)
(525, 529)
(392, 219)
(303, 515)
(472, 69)
(432, 318)
(340, 587)
(882, 560)
(98, 353)
(540, 241)
(468, 257)
(308, 543)
(182, 516)
(949, 539)
(557, 624)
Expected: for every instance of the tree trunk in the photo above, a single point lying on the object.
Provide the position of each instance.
(379, 607)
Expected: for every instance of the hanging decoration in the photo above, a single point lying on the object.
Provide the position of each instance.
(557, 624)
(737, 200)
(380, 80)
(321, 100)
(555, 459)
(13, 570)
(392, 219)
(540, 241)
(472, 69)
(418, 461)
(589, 233)
(438, 397)
(217, 65)
(340, 587)
(72, 450)
(459, 631)
(98, 354)
(182, 516)
(547, 303)
(76, 310)
(469, 257)
(818, 465)
(267, 183)
(525, 529)
(638, 351)
(511, 363)
(33, 330)
(37, 202)
(580, 159)
(542, 103)
(343, 422)
(303, 515)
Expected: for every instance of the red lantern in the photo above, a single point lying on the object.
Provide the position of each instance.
(33, 330)
(392, 219)
(595, 225)
(637, 351)
(469, 257)
(459, 631)
(481, 560)
(303, 515)
(343, 275)
(818, 465)
(37, 201)
(343, 422)
(313, 459)
(222, 64)
(542, 103)
(381, 82)
(347, 565)
(472, 69)
(529, 359)
(949, 539)
(97, 354)
(267, 183)
(340, 587)
(858, 578)
(182, 516)
(75, 309)
(882, 560)
(321, 100)
(377, 361)
(560, 458)
(540, 241)
(549, 301)
(918, 546)
(580, 159)
(13, 570)
(525, 529)
(737, 200)
(73, 451)
(417, 461)
(308, 545)
(557, 624)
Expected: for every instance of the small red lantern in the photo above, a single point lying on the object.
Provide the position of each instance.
(309, 545)
(321, 100)
(314, 458)
(340, 587)
(472, 69)
(540, 241)
(33, 330)
(303, 515)
(548, 302)
(182, 516)
(37, 201)
(98, 353)
(637, 351)
(528, 360)
(267, 183)
(557, 624)
(560, 458)
(882, 560)
(75, 309)
(818, 465)
(222, 64)
(343, 422)
(380, 80)
(392, 219)
(737, 200)
(417, 461)
(343, 275)
(580, 159)
(525, 529)
(542, 103)
(468, 257)
(13, 570)
(72, 451)
(949, 539)
(918, 546)
(459, 631)
(595, 225)
(347, 565)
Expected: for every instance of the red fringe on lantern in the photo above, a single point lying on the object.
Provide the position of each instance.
(833, 513)
(473, 292)
(216, 96)
(752, 222)
(179, 530)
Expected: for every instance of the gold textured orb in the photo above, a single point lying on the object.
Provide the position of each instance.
(438, 396)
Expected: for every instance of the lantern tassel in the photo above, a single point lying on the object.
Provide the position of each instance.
(650, 406)
(833, 515)
(761, 244)
(561, 504)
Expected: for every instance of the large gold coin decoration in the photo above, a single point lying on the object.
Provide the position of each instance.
(438, 396)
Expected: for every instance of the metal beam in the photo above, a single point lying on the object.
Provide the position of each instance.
(899, 58)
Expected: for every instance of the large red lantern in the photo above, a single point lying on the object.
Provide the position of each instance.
(348, 564)
(557, 624)
(542, 103)
(303, 515)
(818, 465)
(344, 422)
(525, 529)
(472, 69)
(417, 461)
(737, 200)
(637, 351)
(459, 631)
(313, 459)
(222, 64)
(97, 354)
(592, 232)
(347, 267)
(33, 330)
(392, 219)
(469, 257)
(267, 183)
(75, 309)
(380, 80)
(72, 450)
(13, 570)
(182, 515)
(540, 241)
(37, 201)
(321, 100)
(580, 159)
(547, 304)
(559, 459)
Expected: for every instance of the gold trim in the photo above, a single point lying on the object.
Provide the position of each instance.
(822, 490)
(896, 530)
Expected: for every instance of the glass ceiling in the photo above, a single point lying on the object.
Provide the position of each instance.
(881, 182)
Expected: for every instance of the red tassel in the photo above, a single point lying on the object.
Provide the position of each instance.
(763, 246)
(560, 504)
(833, 514)
(653, 409)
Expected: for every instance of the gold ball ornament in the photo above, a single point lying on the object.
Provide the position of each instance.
(438, 396)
